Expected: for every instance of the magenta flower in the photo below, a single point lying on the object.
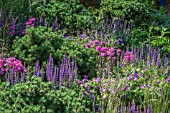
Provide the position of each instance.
(102, 54)
(32, 25)
(23, 32)
(103, 49)
(103, 43)
(96, 42)
(111, 49)
(109, 53)
(28, 23)
(131, 57)
(128, 56)
(98, 48)
(11, 63)
(88, 45)
(114, 58)
(118, 50)
(32, 19)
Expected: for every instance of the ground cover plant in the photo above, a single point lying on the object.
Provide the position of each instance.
(70, 56)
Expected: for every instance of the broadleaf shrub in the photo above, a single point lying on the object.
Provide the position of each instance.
(37, 44)
(132, 11)
(71, 14)
(35, 96)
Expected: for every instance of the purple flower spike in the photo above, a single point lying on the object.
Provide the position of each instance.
(83, 92)
(81, 36)
(107, 35)
(37, 69)
(80, 82)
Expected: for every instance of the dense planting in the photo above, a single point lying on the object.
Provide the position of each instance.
(70, 56)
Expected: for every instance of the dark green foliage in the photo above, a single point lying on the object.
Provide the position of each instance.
(36, 44)
(159, 18)
(36, 96)
(131, 11)
(72, 14)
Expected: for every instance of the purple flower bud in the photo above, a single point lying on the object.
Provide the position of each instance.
(80, 82)
(142, 87)
(96, 80)
(84, 93)
(100, 32)
(144, 69)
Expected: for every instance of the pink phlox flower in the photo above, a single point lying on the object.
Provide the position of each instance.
(109, 53)
(88, 45)
(111, 49)
(98, 48)
(103, 43)
(32, 25)
(102, 54)
(32, 19)
(118, 50)
(96, 42)
(128, 56)
(28, 23)
(103, 49)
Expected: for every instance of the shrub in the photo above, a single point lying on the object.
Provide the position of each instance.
(37, 96)
(70, 13)
(132, 11)
(36, 44)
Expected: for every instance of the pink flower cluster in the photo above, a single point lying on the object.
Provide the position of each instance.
(30, 22)
(103, 50)
(11, 63)
(110, 53)
(128, 56)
